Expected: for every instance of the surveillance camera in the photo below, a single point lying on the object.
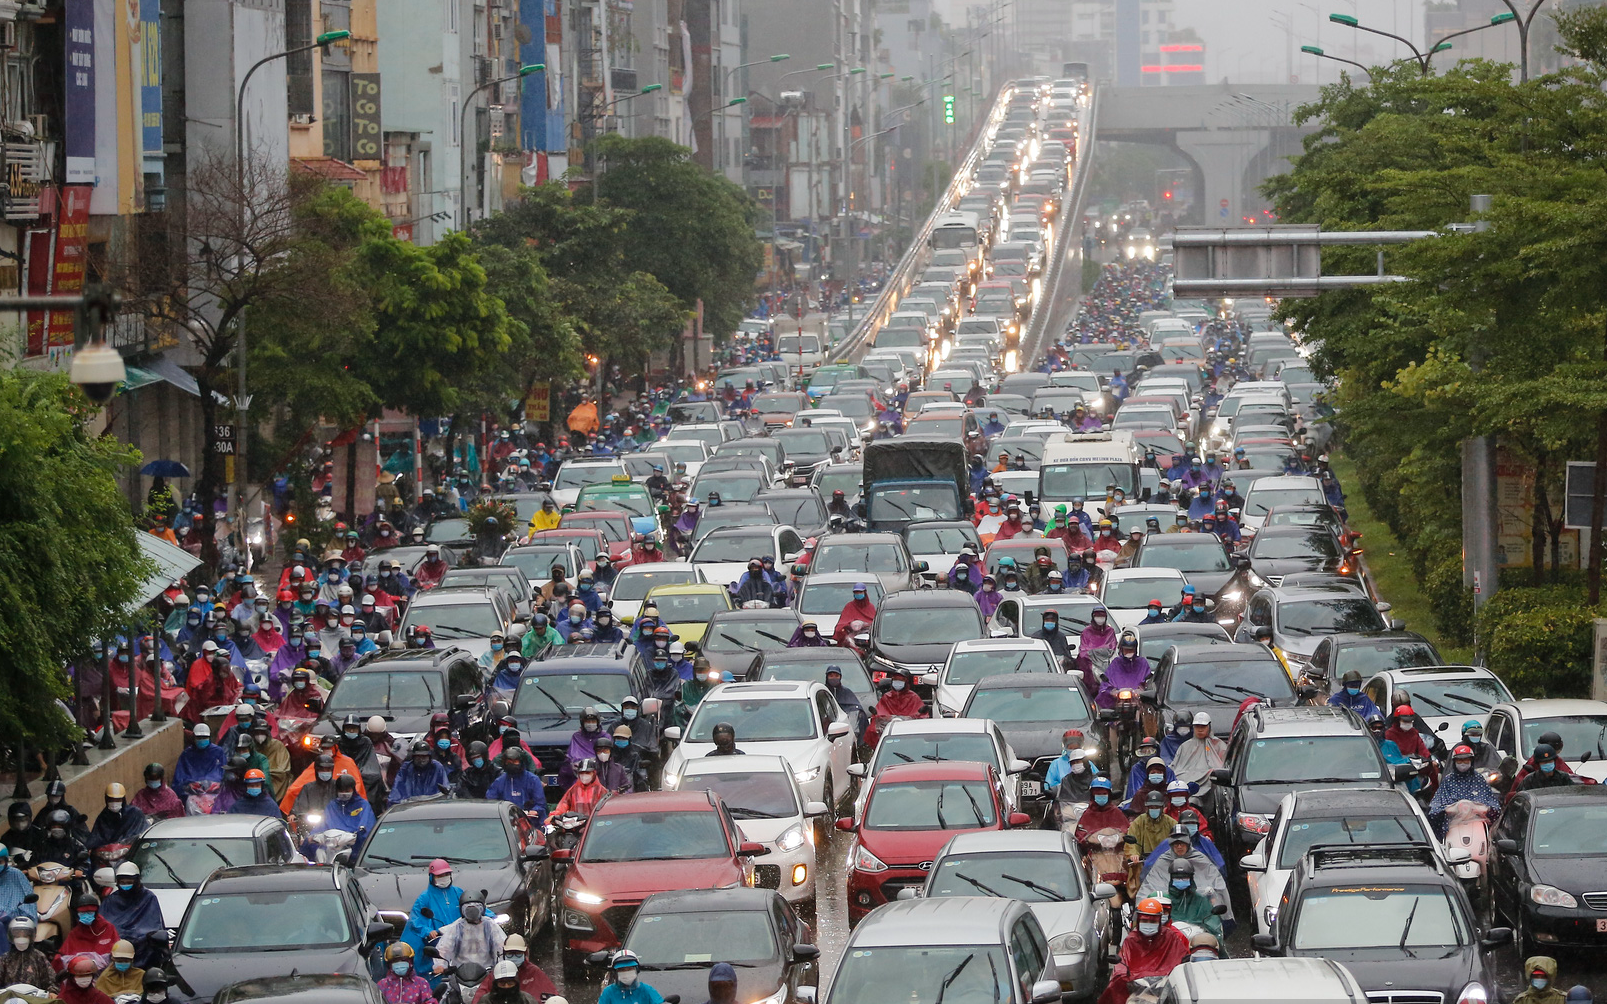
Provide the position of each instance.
(98, 369)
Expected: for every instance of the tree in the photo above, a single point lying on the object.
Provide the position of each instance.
(72, 563)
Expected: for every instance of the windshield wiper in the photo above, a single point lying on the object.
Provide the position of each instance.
(741, 813)
(446, 857)
(991, 892)
(975, 811)
(778, 641)
(1213, 695)
(995, 971)
(1407, 929)
(555, 702)
(371, 856)
(221, 856)
(1035, 887)
(1431, 702)
(1244, 691)
(168, 868)
(1468, 699)
(600, 700)
(953, 975)
(739, 644)
(452, 632)
(942, 823)
(902, 756)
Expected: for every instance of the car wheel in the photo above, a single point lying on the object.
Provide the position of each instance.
(823, 824)
(1523, 938)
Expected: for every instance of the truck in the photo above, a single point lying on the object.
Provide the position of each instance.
(913, 478)
(1084, 465)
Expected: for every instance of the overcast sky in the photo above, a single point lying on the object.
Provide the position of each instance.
(1245, 40)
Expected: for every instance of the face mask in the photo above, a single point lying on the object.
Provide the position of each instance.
(1179, 801)
(589, 727)
(478, 761)
(517, 958)
(1050, 624)
(1182, 883)
(1078, 767)
(496, 646)
(629, 714)
(313, 650)
(156, 996)
(1149, 928)
(401, 968)
(1353, 691)
(123, 966)
(1203, 955)
(351, 736)
(898, 684)
(202, 744)
(604, 753)
(1463, 766)
(86, 918)
(344, 797)
(1156, 778)
(472, 912)
(1547, 768)
(153, 785)
(301, 684)
(22, 824)
(1539, 982)
(127, 886)
(627, 977)
(55, 833)
(1099, 619)
(586, 778)
(254, 790)
(987, 587)
(114, 806)
(1407, 726)
(1155, 813)
(1193, 828)
(21, 944)
(443, 744)
(84, 981)
(1101, 799)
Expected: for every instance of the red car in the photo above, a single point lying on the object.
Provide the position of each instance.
(591, 538)
(910, 813)
(637, 845)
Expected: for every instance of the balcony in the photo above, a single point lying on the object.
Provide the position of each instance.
(764, 178)
(27, 174)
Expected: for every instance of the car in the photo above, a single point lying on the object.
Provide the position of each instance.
(1155, 639)
(913, 630)
(882, 556)
(971, 660)
(1044, 870)
(732, 485)
(577, 473)
(590, 538)
(1126, 592)
(732, 514)
(687, 454)
(553, 691)
(466, 617)
(1216, 679)
(629, 498)
(1514, 728)
(1393, 914)
(967, 949)
(687, 609)
(799, 508)
(763, 796)
(1278, 551)
(1301, 615)
(754, 930)
(243, 919)
(1372, 652)
(536, 562)
(511, 582)
(1201, 558)
(1287, 490)
(823, 595)
(1305, 819)
(1311, 515)
(1547, 866)
(636, 845)
(176, 855)
(302, 988)
(1229, 981)
(735, 640)
(722, 556)
(1274, 751)
(806, 448)
(1443, 696)
(941, 739)
(809, 663)
(1023, 552)
(448, 533)
(938, 542)
(797, 720)
(1033, 711)
(405, 687)
(490, 845)
(1023, 615)
(904, 825)
(631, 585)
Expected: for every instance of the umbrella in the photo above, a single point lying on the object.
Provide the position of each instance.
(165, 469)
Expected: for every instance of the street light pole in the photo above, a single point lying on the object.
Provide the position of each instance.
(242, 401)
(463, 132)
(1423, 58)
(1317, 51)
(1522, 21)
(726, 90)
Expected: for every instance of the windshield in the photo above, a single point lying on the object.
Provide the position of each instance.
(896, 337)
(793, 344)
(1378, 916)
(1464, 697)
(732, 487)
(1228, 681)
(635, 501)
(444, 531)
(1052, 877)
(804, 441)
(751, 635)
(269, 921)
(633, 585)
(876, 556)
(1369, 659)
(946, 974)
(714, 519)
(915, 626)
(1261, 499)
(778, 667)
(827, 599)
(1341, 614)
(569, 694)
(655, 836)
(915, 747)
(735, 547)
(845, 480)
(756, 720)
(1299, 545)
(615, 529)
(1020, 705)
(939, 540)
(748, 794)
(677, 940)
(797, 510)
(368, 691)
(1204, 556)
(956, 236)
(825, 378)
(683, 453)
(930, 805)
(782, 401)
(1575, 830)
(415, 842)
(1302, 834)
(1580, 733)
(934, 502)
(966, 668)
(185, 863)
(1135, 593)
(1063, 481)
(579, 476)
(457, 620)
(681, 608)
(1294, 759)
(709, 435)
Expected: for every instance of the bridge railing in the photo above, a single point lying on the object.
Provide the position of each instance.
(1050, 307)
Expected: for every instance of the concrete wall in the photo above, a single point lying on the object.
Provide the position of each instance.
(424, 58)
(86, 786)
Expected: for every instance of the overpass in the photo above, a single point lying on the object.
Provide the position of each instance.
(1234, 135)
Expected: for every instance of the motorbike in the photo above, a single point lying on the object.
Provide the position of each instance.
(1066, 815)
(23, 993)
(327, 845)
(1123, 724)
(1467, 828)
(50, 884)
(1108, 861)
(461, 982)
(563, 832)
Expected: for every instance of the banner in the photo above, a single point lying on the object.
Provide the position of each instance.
(538, 406)
(36, 282)
(78, 101)
(67, 264)
(149, 40)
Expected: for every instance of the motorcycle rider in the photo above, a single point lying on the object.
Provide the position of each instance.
(1204, 947)
(1071, 763)
(582, 796)
(1102, 813)
(23, 962)
(1194, 612)
(422, 776)
(471, 937)
(91, 934)
(134, 911)
(349, 811)
(691, 693)
(627, 987)
(1462, 782)
(14, 891)
(1200, 755)
(156, 984)
(582, 745)
(402, 984)
(122, 976)
(359, 749)
(60, 843)
(199, 764)
(532, 980)
(846, 698)
(1540, 983)
(859, 608)
(1546, 773)
(604, 630)
(1049, 632)
(1485, 756)
(118, 822)
(725, 740)
(519, 786)
(617, 762)
(1349, 695)
(258, 799)
(78, 983)
(440, 898)
(478, 772)
(1149, 773)
(1181, 846)
(1152, 948)
(899, 700)
(505, 987)
(1151, 826)
(1188, 906)
(1126, 669)
(23, 838)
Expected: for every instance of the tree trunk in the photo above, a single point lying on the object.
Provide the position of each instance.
(351, 483)
(1598, 512)
(1538, 524)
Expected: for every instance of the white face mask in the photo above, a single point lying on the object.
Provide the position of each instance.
(114, 806)
(1149, 927)
(1077, 767)
(627, 977)
(156, 996)
(898, 684)
(1408, 726)
(21, 944)
(84, 981)
(442, 881)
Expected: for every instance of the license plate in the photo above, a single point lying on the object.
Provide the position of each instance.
(1601, 925)
(551, 780)
(1031, 788)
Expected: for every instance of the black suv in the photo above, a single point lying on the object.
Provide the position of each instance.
(1393, 914)
(1275, 751)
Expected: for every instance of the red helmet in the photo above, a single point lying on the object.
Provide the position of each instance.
(286, 596)
(1463, 750)
(1150, 907)
(255, 774)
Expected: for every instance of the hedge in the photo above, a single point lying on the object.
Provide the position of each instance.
(1539, 640)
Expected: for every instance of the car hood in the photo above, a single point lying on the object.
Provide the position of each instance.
(1263, 799)
(936, 564)
(209, 972)
(692, 984)
(637, 880)
(1059, 918)
(1575, 875)
(1128, 618)
(396, 890)
(724, 573)
(1209, 583)
(173, 903)
(908, 848)
(800, 753)
(1032, 741)
(915, 655)
(689, 631)
(765, 831)
(1389, 969)
(1301, 645)
(1274, 569)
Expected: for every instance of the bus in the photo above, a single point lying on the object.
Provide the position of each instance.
(957, 229)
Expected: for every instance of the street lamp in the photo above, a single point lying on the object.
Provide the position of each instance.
(718, 108)
(777, 58)
(1316, 51)
(1422, 57)
(1522, 21)
(463, 118)
(242, 401)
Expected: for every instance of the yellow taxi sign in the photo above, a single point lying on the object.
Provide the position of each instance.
(622, 479)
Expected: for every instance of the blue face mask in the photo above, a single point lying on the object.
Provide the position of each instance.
(1181, 883)
(1353, 691)
(621, 743)
(478, 761)
(254, 790)
(86, 919)
(1155, 813)
(126, 886)
(660, 664)
(584, 587)
(401, 968)
(1101, 799)
(1548, 767)
(202, 744)
(123, 965)
(629, 714)
(496, 646)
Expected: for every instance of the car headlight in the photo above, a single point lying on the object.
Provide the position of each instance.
(1233, 594)
(806, 775)
(671, 779)
(791, 838)
(1066, 944)
(1473, 993)
(1550, 895)
(1255, 581)
(583, 897)
(1254, 822)
(864, 861)
(779, 997)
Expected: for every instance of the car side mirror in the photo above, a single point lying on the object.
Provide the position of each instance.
(787, 559)
(599, 958)
(396, 918)
(800, 570)
(805, 953)
(862, 639)
(673, 733)
(344, 858)
(1506, 845)
(836, 730)
(463, 701)
(923, 566)
(1396, 624)
(856, 770)
(378, 929)
(1046, 992)
(752, 849)
(1253, 863)
(652, 706)
(1019, 819)
(909, 892)
(1495, 937)
(1384, 606)
(1104, 891)
(1018, 766)
(929, 679)
(1221, 775)
(1240, 561)
(1400, 771)
(1263, 942)
(816, 808)
(845, 823)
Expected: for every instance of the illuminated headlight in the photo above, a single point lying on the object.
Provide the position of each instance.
(1550, 895)
(1132, 253)
(779, 997)
(583, 897)
(806, 775)
(1233, 595)
(1255, 581)
(791, 838)
(1473, 993)
(671, 779)
(1066, 944)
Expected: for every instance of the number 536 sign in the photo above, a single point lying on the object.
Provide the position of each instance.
(366, 128)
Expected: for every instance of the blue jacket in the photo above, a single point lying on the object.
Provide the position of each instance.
(641, 993)
(1361, 704)
(442, 903)
(135, 914)
(1138, 774)
(523, 789)
(1202, 843)
(1057, 772)
(592, 600)
(356, 816)
(411, 782)
(197, 764)
(262, 805)
(14, 885)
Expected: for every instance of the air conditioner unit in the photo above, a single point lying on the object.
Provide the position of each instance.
(302, 119)
(8, 36)
(41, 126)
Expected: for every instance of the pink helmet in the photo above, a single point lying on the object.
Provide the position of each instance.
(440, 867)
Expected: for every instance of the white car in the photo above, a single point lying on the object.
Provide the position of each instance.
(633, 581)
(573, 475)
(916, 739)
(687, 453)
(798, 720)
(1284, 490)
(1443, 696)
(723, 555)
(939, 543)
(823, 595)
(763, 797)
(176, 855)
(1516, 728)
(1126, 592)
(969, 661)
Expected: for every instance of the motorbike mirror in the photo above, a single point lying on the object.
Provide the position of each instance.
(599, 958)
(652, 706)
(922, 566)
(535, 852)
(845, 823)
(32, 897)
(426, 913)
(463, 701)
(673, 999)
(1241, 561)
(862, 639)
(378, 929)
(1128, 838)
(805, 953)
(1263, 942)
(1220, 910)
(1396, 624)
(800, 570)
(431, 952)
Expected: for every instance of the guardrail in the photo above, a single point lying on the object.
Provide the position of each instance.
(1050, 306)
(910, 265)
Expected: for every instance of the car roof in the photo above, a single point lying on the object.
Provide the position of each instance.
(1555, 707)
(222, 827)
(1019, 681)
(684, 589)
(926, 599)
(1321, 800)
(752, 530)
(447, 809)
(837, 578)
(598, 656)
(733, 900)
(272, 878)
(753, 763)
(862, 539)
(655, 801)
(739, 614)
(949, 920)
(1193, 652)
(1288, 481)
(441, 597)
(1004, 841)
(1305, 721)
(784, 689)
(939, 726)
(942, 770)
(1273, 978)
(1287, 594)
(1001, 645)
(1552, 796)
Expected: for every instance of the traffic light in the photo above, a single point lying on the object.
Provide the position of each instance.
(948, 109)
(1167, 195)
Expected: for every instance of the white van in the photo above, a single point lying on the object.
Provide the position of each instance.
(801, 350)
(1081, 465)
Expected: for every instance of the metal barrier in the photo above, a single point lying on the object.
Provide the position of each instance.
(1048, 312)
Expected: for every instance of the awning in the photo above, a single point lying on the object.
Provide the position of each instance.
(171, 563)
(329, 168)
(157, 370)
(137, 377)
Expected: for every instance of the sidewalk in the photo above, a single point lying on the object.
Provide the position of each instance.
(125, 764)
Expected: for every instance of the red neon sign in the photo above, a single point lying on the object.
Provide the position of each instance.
(1182, 48)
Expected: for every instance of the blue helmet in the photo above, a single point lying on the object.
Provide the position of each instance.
(1100, 782)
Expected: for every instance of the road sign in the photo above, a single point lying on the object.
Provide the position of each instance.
(223, 440)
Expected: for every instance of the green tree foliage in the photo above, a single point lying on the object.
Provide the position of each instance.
(70, 563)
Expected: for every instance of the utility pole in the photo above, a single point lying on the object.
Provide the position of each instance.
(1480, 565)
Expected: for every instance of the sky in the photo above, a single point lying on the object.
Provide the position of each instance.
(1245, 40)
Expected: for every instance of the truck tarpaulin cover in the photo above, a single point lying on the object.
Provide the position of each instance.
(913, 459)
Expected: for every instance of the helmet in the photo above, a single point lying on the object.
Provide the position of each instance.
(1150, 907)
(345, 783)
(1100, 782)
(625, 959)
(399, 951)
(585, 765)
(128, 869)
(1205, 939)
(514, 943)
(505, 970)
(1128, 640)
(376, 725)
(421, 747)
(1182, 867)
(1472, 724)
(1354, 676)
(116, 791)
(22, 925)
(256, 774)
(1462, 751)
(82, 965)
(155, 979)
